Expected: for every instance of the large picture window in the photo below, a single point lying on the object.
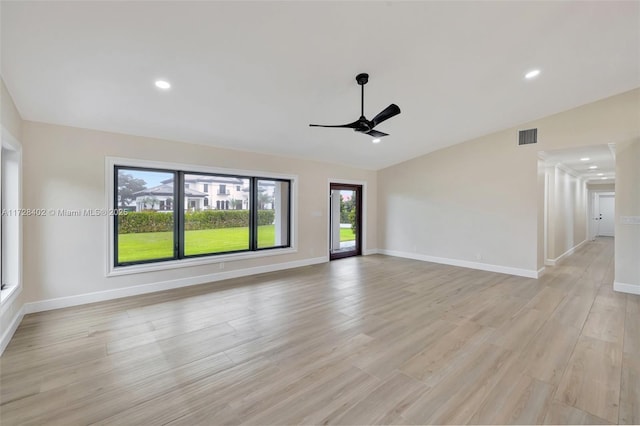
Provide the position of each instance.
(175, 214)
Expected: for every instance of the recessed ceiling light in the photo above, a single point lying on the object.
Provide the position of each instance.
(162, 84)
(604, 178)
(593, 167)
(376, 140)
(600, 174)
(585, 159)
(532, 74)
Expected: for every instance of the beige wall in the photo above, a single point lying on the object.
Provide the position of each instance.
(64, 168)
(462, 203)
(627, 245)
(12, 123)
(601, 187)
(9, 115)
(479, 199)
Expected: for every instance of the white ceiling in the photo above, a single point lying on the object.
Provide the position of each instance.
(253, 75)
(600, 156)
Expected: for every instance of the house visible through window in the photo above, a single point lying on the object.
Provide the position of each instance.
(168, 219)
(146, 232)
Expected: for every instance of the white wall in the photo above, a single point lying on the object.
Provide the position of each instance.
(64, 168)
(476, 203)
(567, 213)
(627, 245)
(542, 215)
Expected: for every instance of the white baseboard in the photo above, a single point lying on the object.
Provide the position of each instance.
(541, 272)
(554, 262)
(626, 288)
(8, 333)
(463, 263)
(370, 251)
(101, 296)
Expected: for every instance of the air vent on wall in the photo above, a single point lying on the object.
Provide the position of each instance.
(525, 137)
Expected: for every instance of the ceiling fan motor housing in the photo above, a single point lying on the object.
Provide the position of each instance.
(362, 78)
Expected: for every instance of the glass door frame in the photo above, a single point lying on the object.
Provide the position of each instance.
(358, 190)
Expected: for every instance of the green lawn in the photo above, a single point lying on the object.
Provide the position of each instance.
(346, 234)
(159, 245)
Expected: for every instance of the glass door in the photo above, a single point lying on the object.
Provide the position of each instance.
(345, 228)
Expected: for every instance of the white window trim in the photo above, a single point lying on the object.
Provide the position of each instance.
(13, 291)
(111, 270)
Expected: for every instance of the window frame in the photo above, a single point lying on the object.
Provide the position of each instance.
(116, 169)
(254, 201)
(181, 213)
(12, 243)
(180, 260)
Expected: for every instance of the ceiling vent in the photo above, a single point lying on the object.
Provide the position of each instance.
(526, 137)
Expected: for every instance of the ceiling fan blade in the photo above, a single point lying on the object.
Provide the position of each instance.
(347, 126)
(390, 111)
(376, 134)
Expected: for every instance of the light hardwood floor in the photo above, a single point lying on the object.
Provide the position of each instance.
(357, 341)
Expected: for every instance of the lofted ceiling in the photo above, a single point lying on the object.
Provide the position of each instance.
(594, 164)
(253, 75)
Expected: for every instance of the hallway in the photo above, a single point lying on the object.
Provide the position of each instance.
(603, 367)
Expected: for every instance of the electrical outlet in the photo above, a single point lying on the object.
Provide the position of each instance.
(478, 256)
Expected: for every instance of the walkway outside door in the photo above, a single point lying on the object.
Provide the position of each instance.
(345, 228)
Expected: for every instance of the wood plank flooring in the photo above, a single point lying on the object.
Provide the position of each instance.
(368, 340)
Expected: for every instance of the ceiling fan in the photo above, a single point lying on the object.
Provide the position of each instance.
(363, 125)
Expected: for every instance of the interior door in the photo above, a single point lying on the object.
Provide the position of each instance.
(345, 227)
(606, 216)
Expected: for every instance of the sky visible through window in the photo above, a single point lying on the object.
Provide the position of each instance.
(151, 178)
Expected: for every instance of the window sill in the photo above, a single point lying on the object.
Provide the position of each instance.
(185, 263)
(7, 292)
(8, 295)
